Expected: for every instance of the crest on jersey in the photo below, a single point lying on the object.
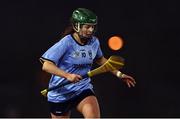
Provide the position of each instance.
(76, 54)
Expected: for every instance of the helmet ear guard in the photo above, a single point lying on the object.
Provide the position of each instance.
(76, 26)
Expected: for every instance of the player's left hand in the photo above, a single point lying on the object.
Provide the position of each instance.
(130, 81)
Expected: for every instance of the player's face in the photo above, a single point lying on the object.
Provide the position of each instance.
(87, 30)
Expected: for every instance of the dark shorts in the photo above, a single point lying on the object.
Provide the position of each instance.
(59, 109)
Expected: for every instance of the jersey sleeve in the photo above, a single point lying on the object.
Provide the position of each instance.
(55, 52)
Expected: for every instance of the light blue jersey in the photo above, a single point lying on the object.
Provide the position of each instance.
(71, 57)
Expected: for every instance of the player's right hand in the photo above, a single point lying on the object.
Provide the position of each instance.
(74, 77)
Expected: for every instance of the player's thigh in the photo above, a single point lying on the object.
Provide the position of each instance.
(89, 107)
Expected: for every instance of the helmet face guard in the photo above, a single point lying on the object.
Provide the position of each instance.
(82, 16)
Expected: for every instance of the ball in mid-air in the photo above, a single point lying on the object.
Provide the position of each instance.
(115, 42)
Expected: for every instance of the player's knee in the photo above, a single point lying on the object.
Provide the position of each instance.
(91, 112)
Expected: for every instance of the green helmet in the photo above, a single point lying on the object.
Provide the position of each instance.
(83, 16)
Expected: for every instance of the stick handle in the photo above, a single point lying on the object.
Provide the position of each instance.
(66, 82)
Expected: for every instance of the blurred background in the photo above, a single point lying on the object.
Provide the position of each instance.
(150, 30)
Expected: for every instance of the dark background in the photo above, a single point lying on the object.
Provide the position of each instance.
(150, 29)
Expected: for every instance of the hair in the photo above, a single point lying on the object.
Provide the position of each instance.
(68, 30)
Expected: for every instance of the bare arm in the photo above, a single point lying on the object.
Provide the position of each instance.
(126, 78)
(102, 60)
(51, 68)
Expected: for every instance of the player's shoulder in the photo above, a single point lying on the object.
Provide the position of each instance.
(95, 39)
(65, 39)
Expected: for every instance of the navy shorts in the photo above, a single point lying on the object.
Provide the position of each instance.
(59, 109)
